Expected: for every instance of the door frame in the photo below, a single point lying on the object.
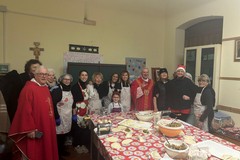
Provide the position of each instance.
(216, 64)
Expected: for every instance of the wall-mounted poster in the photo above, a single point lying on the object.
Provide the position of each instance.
(4, 68)
(135, 66)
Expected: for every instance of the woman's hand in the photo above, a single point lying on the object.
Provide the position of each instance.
(185, 97)
(155, 109)
(200, 125)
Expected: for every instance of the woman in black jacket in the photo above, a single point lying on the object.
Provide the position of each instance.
(204, 103)
(80, 131)
(62, 101)
(159, 91)
(180, 94)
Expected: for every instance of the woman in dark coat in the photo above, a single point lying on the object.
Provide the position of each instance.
(159, 91)
(180, 94)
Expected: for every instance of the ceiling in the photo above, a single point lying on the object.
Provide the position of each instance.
(166, 7)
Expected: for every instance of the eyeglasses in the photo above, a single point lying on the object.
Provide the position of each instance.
(66, 79)
(42, 74)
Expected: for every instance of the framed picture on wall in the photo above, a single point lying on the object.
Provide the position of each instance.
(4, 68)
(155, 73)
(237, 51)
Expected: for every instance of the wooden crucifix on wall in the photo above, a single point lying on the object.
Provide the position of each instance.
(36, 50)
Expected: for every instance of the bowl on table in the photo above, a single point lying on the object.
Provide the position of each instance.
(176, 149)
(170, 128)
(146, 116)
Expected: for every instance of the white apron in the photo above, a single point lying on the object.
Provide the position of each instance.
(199, 109)
(95, 103)
(64, 108)
(108, 98)
(125, 98)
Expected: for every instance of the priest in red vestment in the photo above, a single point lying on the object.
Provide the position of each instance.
(141, 92)
(35, 113)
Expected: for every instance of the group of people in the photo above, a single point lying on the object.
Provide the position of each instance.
(180, 95)
(48, 107)
(186, 101)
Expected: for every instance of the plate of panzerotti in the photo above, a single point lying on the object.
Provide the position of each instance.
(135, 124)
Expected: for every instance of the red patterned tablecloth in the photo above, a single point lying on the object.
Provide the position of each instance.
(137, 150)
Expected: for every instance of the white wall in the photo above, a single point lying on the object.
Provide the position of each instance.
(118, 34)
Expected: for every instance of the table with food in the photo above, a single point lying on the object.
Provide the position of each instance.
(142, 135)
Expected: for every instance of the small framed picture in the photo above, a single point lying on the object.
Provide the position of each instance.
(155, 74)
(237, 51)
(4, 68)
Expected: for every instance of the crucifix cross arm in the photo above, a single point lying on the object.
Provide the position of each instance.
(36, 50)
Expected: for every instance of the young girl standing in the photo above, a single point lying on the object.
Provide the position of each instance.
(115, 105)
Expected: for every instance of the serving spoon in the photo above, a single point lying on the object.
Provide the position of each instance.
(166, 139)
(173, 121)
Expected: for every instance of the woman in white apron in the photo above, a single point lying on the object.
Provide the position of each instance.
(109, 87)
(80, 130)
(95, 104)
(204, 103)
(124, 88)
(95, 93)
(62, 101)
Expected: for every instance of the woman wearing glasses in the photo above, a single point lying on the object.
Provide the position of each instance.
(62, 102)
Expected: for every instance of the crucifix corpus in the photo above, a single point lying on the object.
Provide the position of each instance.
(36, 50)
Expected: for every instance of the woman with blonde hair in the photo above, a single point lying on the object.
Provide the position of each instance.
(96, 92)
(204, 103)
(51, 79)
